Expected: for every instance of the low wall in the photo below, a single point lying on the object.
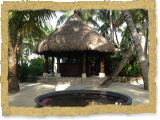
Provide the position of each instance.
(72, 80)
(128, 79)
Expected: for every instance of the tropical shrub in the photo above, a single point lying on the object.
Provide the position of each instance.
(36, 66)
(22, 71)
(136, 70)
(111, 63)
(131, 68)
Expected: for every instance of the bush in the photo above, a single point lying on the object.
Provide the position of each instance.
(22, 71)
(36, 66)
(111, 63)
(131, 68)
(136, 70)
(126, 69)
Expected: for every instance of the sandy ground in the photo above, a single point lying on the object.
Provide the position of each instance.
(29, 91)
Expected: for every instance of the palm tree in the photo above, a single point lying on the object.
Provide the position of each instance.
(111, 20)
(19, 23)
(85, 15)
(139, 51)
(139, 16)
(109, 80)
(146, 45)
(131, 50)
(114, 28)
(147, 39)
(64, 17)
(117, 21)
(103, 16)
(30, 40)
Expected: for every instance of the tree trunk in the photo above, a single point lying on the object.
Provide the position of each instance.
(111, 27)
(18, 52)
(146, 45)
(113, 36)
(148, 52)
(116, 36)
(13, 85)
(139, 50)
(107, 82)
(19, 48)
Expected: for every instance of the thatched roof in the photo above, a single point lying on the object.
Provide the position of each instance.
(74, 35)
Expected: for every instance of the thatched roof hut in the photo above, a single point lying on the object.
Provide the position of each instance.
(74, 35)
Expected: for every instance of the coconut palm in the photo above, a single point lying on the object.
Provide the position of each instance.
(139, 51)
(139, 17)
(110, 22)
(117, 21)
(146, 45)
(111, 27)
(131, 50)
(19, 23)
(103, 16)
(146, 35)
(85, 15)
(30, 40)
(109, 80)
(64, 17)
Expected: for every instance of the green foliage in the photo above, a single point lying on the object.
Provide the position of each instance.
(64, 59)
(35, 68)
(111, 63)
(22, 71)
(125, 45)
(131, 68)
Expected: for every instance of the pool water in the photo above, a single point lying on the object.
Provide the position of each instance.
(81, 100)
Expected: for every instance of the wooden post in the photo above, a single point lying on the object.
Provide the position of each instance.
(84, 61)
(53, 64)
(102, 63)
(58, 64)
(87, 63)
(45, 63)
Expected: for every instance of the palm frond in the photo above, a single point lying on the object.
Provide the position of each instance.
(64, 17)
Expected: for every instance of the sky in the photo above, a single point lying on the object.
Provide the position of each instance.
(53, 22)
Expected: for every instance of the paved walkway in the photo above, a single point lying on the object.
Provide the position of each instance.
(29, 91)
